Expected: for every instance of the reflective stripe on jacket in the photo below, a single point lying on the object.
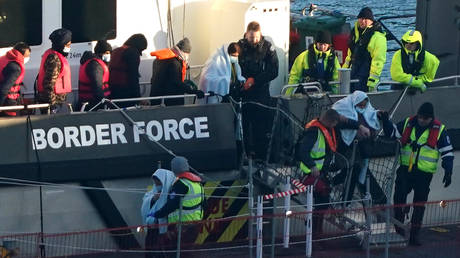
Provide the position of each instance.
(318, 152)
(191, 203)
(424, 156)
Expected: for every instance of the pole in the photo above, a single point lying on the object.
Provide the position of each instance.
(260, 208)
(344, 79)
(287, 208)
(273, 228)
(179, 228)
(251, 209)
(308, 222)
(368, 217)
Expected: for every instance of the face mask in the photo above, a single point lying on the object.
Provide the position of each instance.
(106, 58)
(360, 110)
(26, 59)
(66, 50)
(233, 59)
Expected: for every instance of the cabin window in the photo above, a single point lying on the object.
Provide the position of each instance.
(20, 20)
(89, 20)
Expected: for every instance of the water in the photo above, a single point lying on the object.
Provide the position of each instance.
(380, 8)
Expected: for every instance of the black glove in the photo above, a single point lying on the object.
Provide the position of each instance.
(447, 178)
(383, 115)
(199, 94)
(300, 89)
(191, 84)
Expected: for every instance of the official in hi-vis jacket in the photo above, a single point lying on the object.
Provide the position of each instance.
(423, 141)
(412, 65)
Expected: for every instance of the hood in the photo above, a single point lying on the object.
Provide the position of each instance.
(412, 36)
(87, 55)
(13, 54)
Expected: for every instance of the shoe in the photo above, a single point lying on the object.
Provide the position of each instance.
(414, 239)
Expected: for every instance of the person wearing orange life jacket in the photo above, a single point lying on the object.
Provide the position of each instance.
(54, 78)
(124, 69)
(11, 75)
(314, 151)
(423, 141)
(168, 73)
(93, 81)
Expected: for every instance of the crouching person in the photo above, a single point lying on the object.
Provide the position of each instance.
(186, 191)
(316, 148)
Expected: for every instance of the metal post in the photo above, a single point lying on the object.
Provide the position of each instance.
(349, 191)
(344, 78)
(260, 210)
(251, 209)
(179, 228)
(272, 255)
(308, 222)
(368, 217)
(287, 208)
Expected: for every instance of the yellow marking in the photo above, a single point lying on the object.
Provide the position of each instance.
(439, 229)
(235, 226)
(201, 238)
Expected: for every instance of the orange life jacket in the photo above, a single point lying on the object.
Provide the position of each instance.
(13, 93)
(167, 53)
(331, 140)
(64, 81)
(85, 92)
(432, 136)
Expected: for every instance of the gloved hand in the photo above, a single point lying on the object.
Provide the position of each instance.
(248, 84)
(191, 84)
(447, 179)
(372, 83)
(199, 94)
(421, 87)
(383, 115)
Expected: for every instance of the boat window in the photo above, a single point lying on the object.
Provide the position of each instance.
(20, 20)
(89, 20)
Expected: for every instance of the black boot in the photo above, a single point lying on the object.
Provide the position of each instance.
(400, 231)
(414, 238)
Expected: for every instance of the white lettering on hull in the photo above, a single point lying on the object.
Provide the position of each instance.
(112, 134)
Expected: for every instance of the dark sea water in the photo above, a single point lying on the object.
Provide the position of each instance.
(380, 8)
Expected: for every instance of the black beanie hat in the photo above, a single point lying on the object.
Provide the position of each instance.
(184, 45)
(324, 37)
(60, 37)
(366, 13)
(102, 46)
(426, 109)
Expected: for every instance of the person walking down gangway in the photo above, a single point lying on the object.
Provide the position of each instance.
(423, 141)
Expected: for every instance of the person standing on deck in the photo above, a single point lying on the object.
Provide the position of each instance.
(12, 73)
(54, 78)
(318, 63)
(367, 51)
(412, 65)
(259, 65)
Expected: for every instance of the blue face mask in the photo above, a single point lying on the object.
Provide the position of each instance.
(360, 110)
(234, 59)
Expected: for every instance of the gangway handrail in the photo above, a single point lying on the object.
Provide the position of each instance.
(306, 85)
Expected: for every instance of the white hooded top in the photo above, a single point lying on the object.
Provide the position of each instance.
(346, 107)
(217, 72)
(167, 179)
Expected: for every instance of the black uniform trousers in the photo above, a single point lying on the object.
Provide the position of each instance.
(418, 181)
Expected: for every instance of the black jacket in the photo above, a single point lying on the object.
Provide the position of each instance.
(261, 63)
(10, 73)
(167, 80)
